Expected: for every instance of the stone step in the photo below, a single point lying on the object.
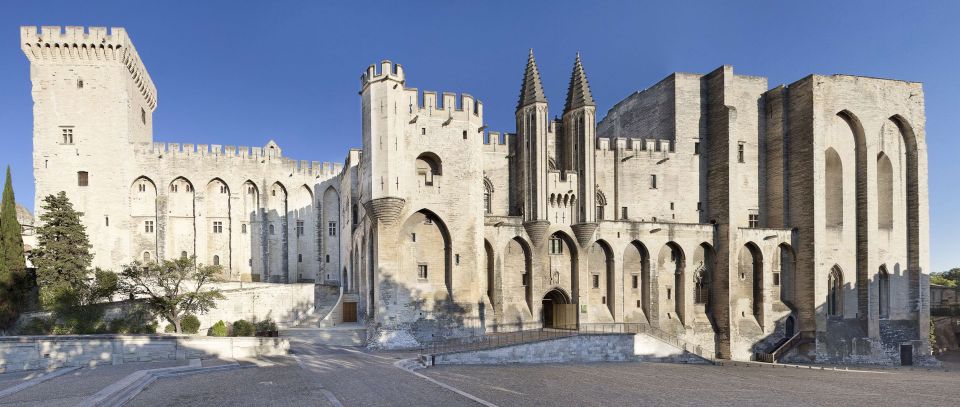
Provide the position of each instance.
(341, 335)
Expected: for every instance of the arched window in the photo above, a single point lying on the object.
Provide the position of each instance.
(601, 202)
(243, 228)
(833, 189)
(271, 229)
(701, 288)
(487, 196)
(884, 192)
(835, 292)
(146, 257)
(883, 297)
(428, 168)
(183, 255)
(216, 260)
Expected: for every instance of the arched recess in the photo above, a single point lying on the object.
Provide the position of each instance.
(330, 246)
(788, 275)
(487, 196)
(563, 263)
(305, 235)
(672, 261)
(181, 210)
(883, 292)
(835, 292)
(557, 310)
(489, 264)
(833, 189)
(517, 272)
(430, 245)
(636, 274)
(251, 232)
(429, 168)
(277, 241)
(218, 236)
(704, 266)
(602, 278)
(143, 217)
(750, 269)
(861, 199)
(913, 199)
(884, 192)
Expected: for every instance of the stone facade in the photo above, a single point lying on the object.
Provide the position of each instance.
(711, 207)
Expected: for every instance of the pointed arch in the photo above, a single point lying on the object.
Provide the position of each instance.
(835, 292)
(518, 269)
(430, 242)
(862, 205)
(636, 274)
(489, 267)
(601, 204)
(911, 142)
(564, 261)
(704, 264)
(883, 291)
(750, 268)
(673, 261)
(833, 189)
(884, 192)
(788, 275)
(487, 195)
(602, 273)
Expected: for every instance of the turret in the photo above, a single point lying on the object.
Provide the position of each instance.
(385, 111)
(530, 149)
(579, 138)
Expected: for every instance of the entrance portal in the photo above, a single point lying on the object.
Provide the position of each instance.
(557, 311)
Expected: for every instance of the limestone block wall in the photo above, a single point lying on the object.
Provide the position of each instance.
(51, 352)
(581, 348)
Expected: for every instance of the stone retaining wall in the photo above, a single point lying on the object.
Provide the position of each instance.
(49, 352)
(580, 348)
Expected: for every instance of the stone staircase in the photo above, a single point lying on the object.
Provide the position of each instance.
(325, 326)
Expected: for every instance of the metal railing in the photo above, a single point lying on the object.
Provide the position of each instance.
(500, 339)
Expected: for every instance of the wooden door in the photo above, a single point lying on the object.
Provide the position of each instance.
(349, 312)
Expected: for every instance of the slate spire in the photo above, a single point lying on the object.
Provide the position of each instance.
(578, 94)
(532, 90)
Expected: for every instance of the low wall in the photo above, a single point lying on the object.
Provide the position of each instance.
(287, 304)
(580, 348)
(49, 352)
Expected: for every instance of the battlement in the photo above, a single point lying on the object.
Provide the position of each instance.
(426, 102)
(220, 152)
(78, 45)
(637, 145)
(497, 142)
(387, 71)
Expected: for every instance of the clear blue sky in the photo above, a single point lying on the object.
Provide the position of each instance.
(240, 73)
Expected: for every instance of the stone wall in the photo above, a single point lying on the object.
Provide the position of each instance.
(50, 352)
(581, 348)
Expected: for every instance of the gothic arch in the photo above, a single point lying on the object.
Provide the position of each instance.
(518, 269)
(862, 202)
(673, 261)
(602, 266)
(913, 193)
(181, 233)
(833, 189)
(835, 292)
(218, 217)
(428, 167)
(750, 270)
(432, 246)
(884, 192)
(636, 266)
(565, 260)
(883, 292)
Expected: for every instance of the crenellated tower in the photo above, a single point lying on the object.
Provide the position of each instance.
(530, 150)
(93, 101)
(385, 113)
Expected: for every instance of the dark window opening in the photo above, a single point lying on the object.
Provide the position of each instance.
(83, 179)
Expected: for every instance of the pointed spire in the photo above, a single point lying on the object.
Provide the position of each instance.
(532, 90)
(578, 94)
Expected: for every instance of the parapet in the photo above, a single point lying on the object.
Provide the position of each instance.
(216, 152)
(388, 71)
(79, 45)
(497, 142)
(464, 107)
(637, 144)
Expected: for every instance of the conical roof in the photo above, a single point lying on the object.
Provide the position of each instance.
(532, 90)
(578, 94)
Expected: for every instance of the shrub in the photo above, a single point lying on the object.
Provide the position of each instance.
(190, 324)
(218, 329)
(169, 329)
(266, 325)
(243, 328)
(37, 326)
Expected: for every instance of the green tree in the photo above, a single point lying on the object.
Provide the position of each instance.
(949, 278)
(62, 256)
(12, 264)
(173, 288)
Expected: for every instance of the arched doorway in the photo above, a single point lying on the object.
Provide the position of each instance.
(557, 311)
(789, 327)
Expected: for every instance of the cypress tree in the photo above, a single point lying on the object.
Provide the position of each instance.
(62, 256)
(12, 264)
